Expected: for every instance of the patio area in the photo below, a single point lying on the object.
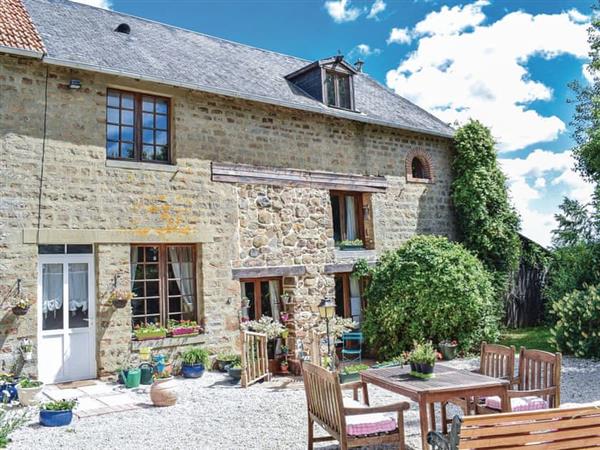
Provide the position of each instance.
(211, 413)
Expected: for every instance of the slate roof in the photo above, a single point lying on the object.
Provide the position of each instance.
(16, 29)
(82, 36)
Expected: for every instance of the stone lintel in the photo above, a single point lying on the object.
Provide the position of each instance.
(66, 236)
(275, 271)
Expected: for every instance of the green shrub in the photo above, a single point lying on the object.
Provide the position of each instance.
(195, 355)
(429, 289)
(577, 327)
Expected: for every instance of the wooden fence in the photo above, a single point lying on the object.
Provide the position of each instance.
(255, 361)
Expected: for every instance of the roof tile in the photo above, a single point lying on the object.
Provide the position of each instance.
(16, 28)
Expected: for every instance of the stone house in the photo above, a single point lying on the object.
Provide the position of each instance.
(194, 171)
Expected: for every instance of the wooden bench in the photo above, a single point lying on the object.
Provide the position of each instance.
(550, 429)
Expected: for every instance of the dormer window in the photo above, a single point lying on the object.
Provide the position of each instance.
(337, 89)
(329, 80)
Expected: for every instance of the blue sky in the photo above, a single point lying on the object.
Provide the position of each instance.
(504, 62)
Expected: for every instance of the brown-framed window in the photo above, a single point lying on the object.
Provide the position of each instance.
(264, 295)
(137, 126)
(349, 298)
(164, 281)
(347, 214)
(338, 89)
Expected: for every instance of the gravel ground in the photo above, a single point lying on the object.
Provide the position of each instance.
(213, 414)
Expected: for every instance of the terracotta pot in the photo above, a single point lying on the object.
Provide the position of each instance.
(163, 393)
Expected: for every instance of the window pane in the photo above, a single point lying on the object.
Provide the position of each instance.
(127, 134)
(127, 117)
(112, 149)
(161, 106)
(152, 289)
(112, 133)
(148, 137)
(78, 295)
(151, 271)
(113, 99)
(336, 215)
(127, 101)
(137, 306)
(152, 305)
(161, 137)
(151, 254)
(52, 297)
(112, 115)
(148, 120)
(148, 104)
(80, 248)
(344, 91)
(51, 249)
(161, 122)
(330, 89)
(175, 305)
(148, 152)
(138, 287)
(162, 153)
(174, 288)
(339, 296)
(127, 150)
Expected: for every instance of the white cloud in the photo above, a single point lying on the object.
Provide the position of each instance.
(585, 70)
(462, 69)
(342, 11)
(364, 50)
(452, 20)
(529, 179)
(577, 16)
(106, 4)
(399, 36)
(377, 7)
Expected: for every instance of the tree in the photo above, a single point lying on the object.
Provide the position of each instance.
(429, 289)
(576, 224)
(487, 222)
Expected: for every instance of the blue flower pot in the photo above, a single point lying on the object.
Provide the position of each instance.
(8, 391)
(192, 370)
(55, 418)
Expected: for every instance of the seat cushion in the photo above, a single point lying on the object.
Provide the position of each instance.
(530, 403)
(368, 424)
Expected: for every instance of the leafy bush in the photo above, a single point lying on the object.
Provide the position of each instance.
(9, 422)
(423, 353)
(27, 383)
(195, 355)
(577, 327)
(429, 289)
(60, 405)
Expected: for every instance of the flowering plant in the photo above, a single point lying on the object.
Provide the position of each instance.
(265, 325)
(120, 294)
(21, 302)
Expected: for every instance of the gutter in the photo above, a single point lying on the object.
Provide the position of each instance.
(21, 52)
(241, 95)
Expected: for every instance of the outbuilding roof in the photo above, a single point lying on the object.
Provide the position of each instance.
(82, 36)
(16, 29)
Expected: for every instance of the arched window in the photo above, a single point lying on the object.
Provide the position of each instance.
(418, 167)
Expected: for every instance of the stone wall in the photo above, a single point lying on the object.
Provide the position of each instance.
(79, 190)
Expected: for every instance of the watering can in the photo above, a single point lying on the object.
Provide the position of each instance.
(146, 370)
(131, 377)
(159, 363)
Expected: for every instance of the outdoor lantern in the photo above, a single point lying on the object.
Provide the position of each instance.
(75, 84)
(327, 308)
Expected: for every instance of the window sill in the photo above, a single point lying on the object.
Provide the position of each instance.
(135, 165)
(419, 180)
(355, 254)
(168, 342)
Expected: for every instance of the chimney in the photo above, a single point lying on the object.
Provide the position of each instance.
(359, 65)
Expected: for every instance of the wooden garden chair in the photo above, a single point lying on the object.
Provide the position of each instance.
(537, 385)
(351, 423)
(497, 361)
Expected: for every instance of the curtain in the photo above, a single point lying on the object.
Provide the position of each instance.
(183, 269)
(52, 288)
(78, 286)
(134, 260)
(350, 218)
(355, 300)
(274, 299)
(245, 310)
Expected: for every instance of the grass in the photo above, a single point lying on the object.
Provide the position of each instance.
(534, 338)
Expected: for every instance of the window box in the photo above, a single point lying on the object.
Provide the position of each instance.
(352, 245)
(146, 336)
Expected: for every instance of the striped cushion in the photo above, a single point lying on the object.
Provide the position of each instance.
(366, 424)
(529, 403)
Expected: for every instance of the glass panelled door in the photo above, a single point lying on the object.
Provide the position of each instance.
(66, 313)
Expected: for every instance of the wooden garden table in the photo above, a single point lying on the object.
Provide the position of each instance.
(447, 384)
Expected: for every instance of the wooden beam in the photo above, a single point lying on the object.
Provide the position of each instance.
(275, 271)
(244, 173)
(343, 267)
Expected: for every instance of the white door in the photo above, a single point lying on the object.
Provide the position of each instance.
(66, 317)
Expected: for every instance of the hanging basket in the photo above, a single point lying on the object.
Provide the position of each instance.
(119, 303)
(18, 311)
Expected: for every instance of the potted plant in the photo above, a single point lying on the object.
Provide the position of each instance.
(149, 331)
(266, 325)
(394, 362)
(162, 391)
(26, 349)
(225, 359)
(178, 328)
(21, 305)
(119, 298)
(448, 349)
(8, 387)
(352, 372)
(422, 360)
(355, 244)
(57, 413)
(194, 362)
(284, 365)
(234, 370)
(27, 389)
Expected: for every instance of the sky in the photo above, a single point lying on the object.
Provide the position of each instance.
(506, 63)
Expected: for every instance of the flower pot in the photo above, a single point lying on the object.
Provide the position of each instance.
(119, 303)
(349, 377)
(27, 395)
(8, 392)
(448, 351)
(55, 418)
(163, 393)
(221, 364)
(153, 335)
(192, 370)
(352, 247)
(235, 373)
(27, 356)
(18, 311)
(177, 332)
(413, 367)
